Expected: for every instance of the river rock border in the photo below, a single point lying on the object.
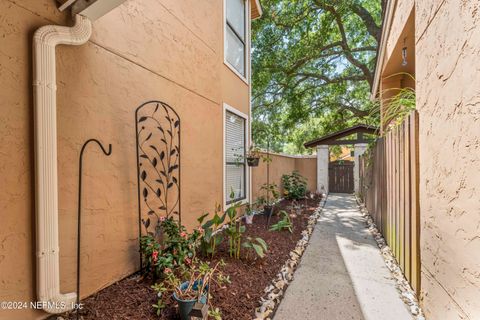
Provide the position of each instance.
(274, 292)
(406, 292)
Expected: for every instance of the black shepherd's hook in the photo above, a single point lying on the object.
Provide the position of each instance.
(79, 224)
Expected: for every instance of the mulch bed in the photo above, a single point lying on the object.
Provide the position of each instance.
(132, 298)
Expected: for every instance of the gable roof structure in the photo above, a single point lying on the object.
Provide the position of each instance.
(335, 138)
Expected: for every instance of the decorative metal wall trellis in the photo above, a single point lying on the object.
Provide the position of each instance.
(158, 164)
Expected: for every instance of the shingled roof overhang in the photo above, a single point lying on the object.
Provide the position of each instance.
(335, 138)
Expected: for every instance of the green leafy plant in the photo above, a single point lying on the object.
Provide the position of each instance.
(397, 107)
(176, 247)
(270, 196)
(284, 224)
(294, 186)
(253, 152)
(215, 313)
(199, 275)
(235, 229)
(257, 245)
(249, 208)
(211, 238)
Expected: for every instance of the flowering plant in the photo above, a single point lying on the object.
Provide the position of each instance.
(176, 246)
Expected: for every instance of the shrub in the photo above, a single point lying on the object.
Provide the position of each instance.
(294, 186)
(176, 247)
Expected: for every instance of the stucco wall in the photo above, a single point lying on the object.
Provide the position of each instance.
(448, 101)
(146, 49)
(280, 165)
(307, 167)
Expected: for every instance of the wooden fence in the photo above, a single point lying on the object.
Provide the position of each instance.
(389, 190)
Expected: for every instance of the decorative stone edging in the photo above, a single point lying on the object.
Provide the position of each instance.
(406, 292)
(274, 292)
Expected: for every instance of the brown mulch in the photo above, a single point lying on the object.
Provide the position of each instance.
(132, 298)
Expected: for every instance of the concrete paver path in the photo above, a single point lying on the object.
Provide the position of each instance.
(342, 274)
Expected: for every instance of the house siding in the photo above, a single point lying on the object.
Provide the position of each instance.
(165, 50)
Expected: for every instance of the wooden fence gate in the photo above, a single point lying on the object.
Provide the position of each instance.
(389, 189)
(340, 177)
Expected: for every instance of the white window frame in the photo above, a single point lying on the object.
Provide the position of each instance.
(247, 42)
(227, 107)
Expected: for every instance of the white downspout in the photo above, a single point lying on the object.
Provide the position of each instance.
(46, 184)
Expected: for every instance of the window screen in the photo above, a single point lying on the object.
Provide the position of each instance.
(235, 34)
(235, 166)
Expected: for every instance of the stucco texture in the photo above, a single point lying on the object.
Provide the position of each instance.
(448, 102)
(165, 50)
(280, 165)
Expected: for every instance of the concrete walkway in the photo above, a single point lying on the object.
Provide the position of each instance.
(342, 274)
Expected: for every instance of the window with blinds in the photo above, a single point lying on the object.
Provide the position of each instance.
(235, 34)
(235, 165)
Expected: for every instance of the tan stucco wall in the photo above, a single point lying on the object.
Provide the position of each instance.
(448, 101)
(280, 165)
(307, 167)
(143, 50)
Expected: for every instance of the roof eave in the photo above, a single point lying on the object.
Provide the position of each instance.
(256, 11)
(386, 25)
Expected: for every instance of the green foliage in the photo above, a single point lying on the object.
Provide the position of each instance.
(398, 106)
(249, 208)
(313, 64)
(235, 230)
(199, 275)
(211, 238)
(271, 194)
(176, 248)
(257, 245)
(253, 152)
(294, 186)
(215, 313)
(284, 224)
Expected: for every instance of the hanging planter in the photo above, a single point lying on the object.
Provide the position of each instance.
(253, 156)
(253, 161)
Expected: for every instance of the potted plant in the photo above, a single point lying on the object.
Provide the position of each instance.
(249, 213)
(271, 196)
(253, 156)
(189, 287)
(188, 294)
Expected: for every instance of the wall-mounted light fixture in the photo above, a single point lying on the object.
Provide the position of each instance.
(404, 53)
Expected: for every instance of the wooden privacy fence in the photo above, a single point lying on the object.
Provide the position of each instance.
(389, 190)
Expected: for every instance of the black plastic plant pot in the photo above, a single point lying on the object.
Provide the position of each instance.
(268, 210)
(253, 161)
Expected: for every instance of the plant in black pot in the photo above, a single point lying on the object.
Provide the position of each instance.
(271, 195)
(253, 156)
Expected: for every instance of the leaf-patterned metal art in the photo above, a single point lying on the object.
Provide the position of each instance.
(158, 164)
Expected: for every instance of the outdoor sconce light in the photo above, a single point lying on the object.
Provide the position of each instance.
(404, 56)
(404, 53)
